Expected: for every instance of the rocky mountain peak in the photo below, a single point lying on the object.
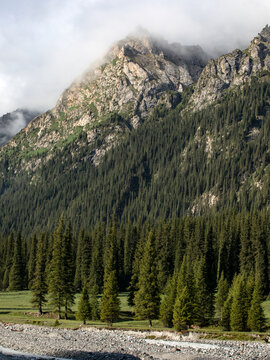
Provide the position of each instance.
(265, 34)
(233, 69)
(136, 75)
(144, 43)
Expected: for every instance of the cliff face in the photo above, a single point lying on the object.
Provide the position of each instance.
(112, 98)
(231, 70)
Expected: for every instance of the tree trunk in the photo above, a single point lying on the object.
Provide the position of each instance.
(40, 310)
(149, 322)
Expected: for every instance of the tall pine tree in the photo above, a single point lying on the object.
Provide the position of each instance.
(110, 303)
(55, 277)
(68, 271)
(17, 271)
(39, 285)
(185, 305)
(147, 298)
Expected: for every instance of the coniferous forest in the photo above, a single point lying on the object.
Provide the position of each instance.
(177, 215)
(175, 164)
(185, 271)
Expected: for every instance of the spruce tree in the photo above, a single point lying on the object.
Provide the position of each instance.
(8, 260)
(164, 258)
(110, 303)
(167, 303)
(16, 276)
(183, 315)
(256, 318)
(94, 302)
(133, 286)
(147, 298)
(110, 253)
(96, 272)
(224, 241)
(185, 305)
(32, 260)
(68, 271)
(246, 252)
(204, 310)
(55, 277)
(39, 285)
(222, 294)
(85, 259)
(260, 249)
(225, 320)
(84, 309)
(210, 258)
(239, 311)
(78, 272)
(129, 250)
(250, 284)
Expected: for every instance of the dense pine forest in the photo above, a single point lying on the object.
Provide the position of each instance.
(186, 271)
(175, 213)
(175, 164)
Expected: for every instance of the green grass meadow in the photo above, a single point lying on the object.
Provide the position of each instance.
(16, 307)
(266, 308)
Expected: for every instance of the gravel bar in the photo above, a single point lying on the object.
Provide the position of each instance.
(18, 342)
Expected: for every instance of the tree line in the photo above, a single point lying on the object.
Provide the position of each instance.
(185, 271)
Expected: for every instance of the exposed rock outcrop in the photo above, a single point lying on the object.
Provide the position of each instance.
(136, 75)
(232, 69)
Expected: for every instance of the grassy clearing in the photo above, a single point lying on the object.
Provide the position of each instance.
(16, 307)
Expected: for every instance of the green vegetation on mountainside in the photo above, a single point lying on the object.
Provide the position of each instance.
(171, 165)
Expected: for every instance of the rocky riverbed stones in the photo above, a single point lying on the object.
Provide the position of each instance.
(94, 343)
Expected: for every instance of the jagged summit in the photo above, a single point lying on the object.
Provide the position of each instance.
(142, 41)
(265, 33)
(233, 69)
(137, 74)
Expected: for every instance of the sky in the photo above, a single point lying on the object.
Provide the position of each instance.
(45, 45)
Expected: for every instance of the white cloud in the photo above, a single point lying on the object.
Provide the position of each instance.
(46, 44)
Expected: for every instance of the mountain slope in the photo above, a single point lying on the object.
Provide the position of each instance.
(176, 162)
(173, 165)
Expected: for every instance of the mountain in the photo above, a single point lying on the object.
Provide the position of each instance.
(152, 131)
(232, 70)
(112, 98)
(12, 123)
